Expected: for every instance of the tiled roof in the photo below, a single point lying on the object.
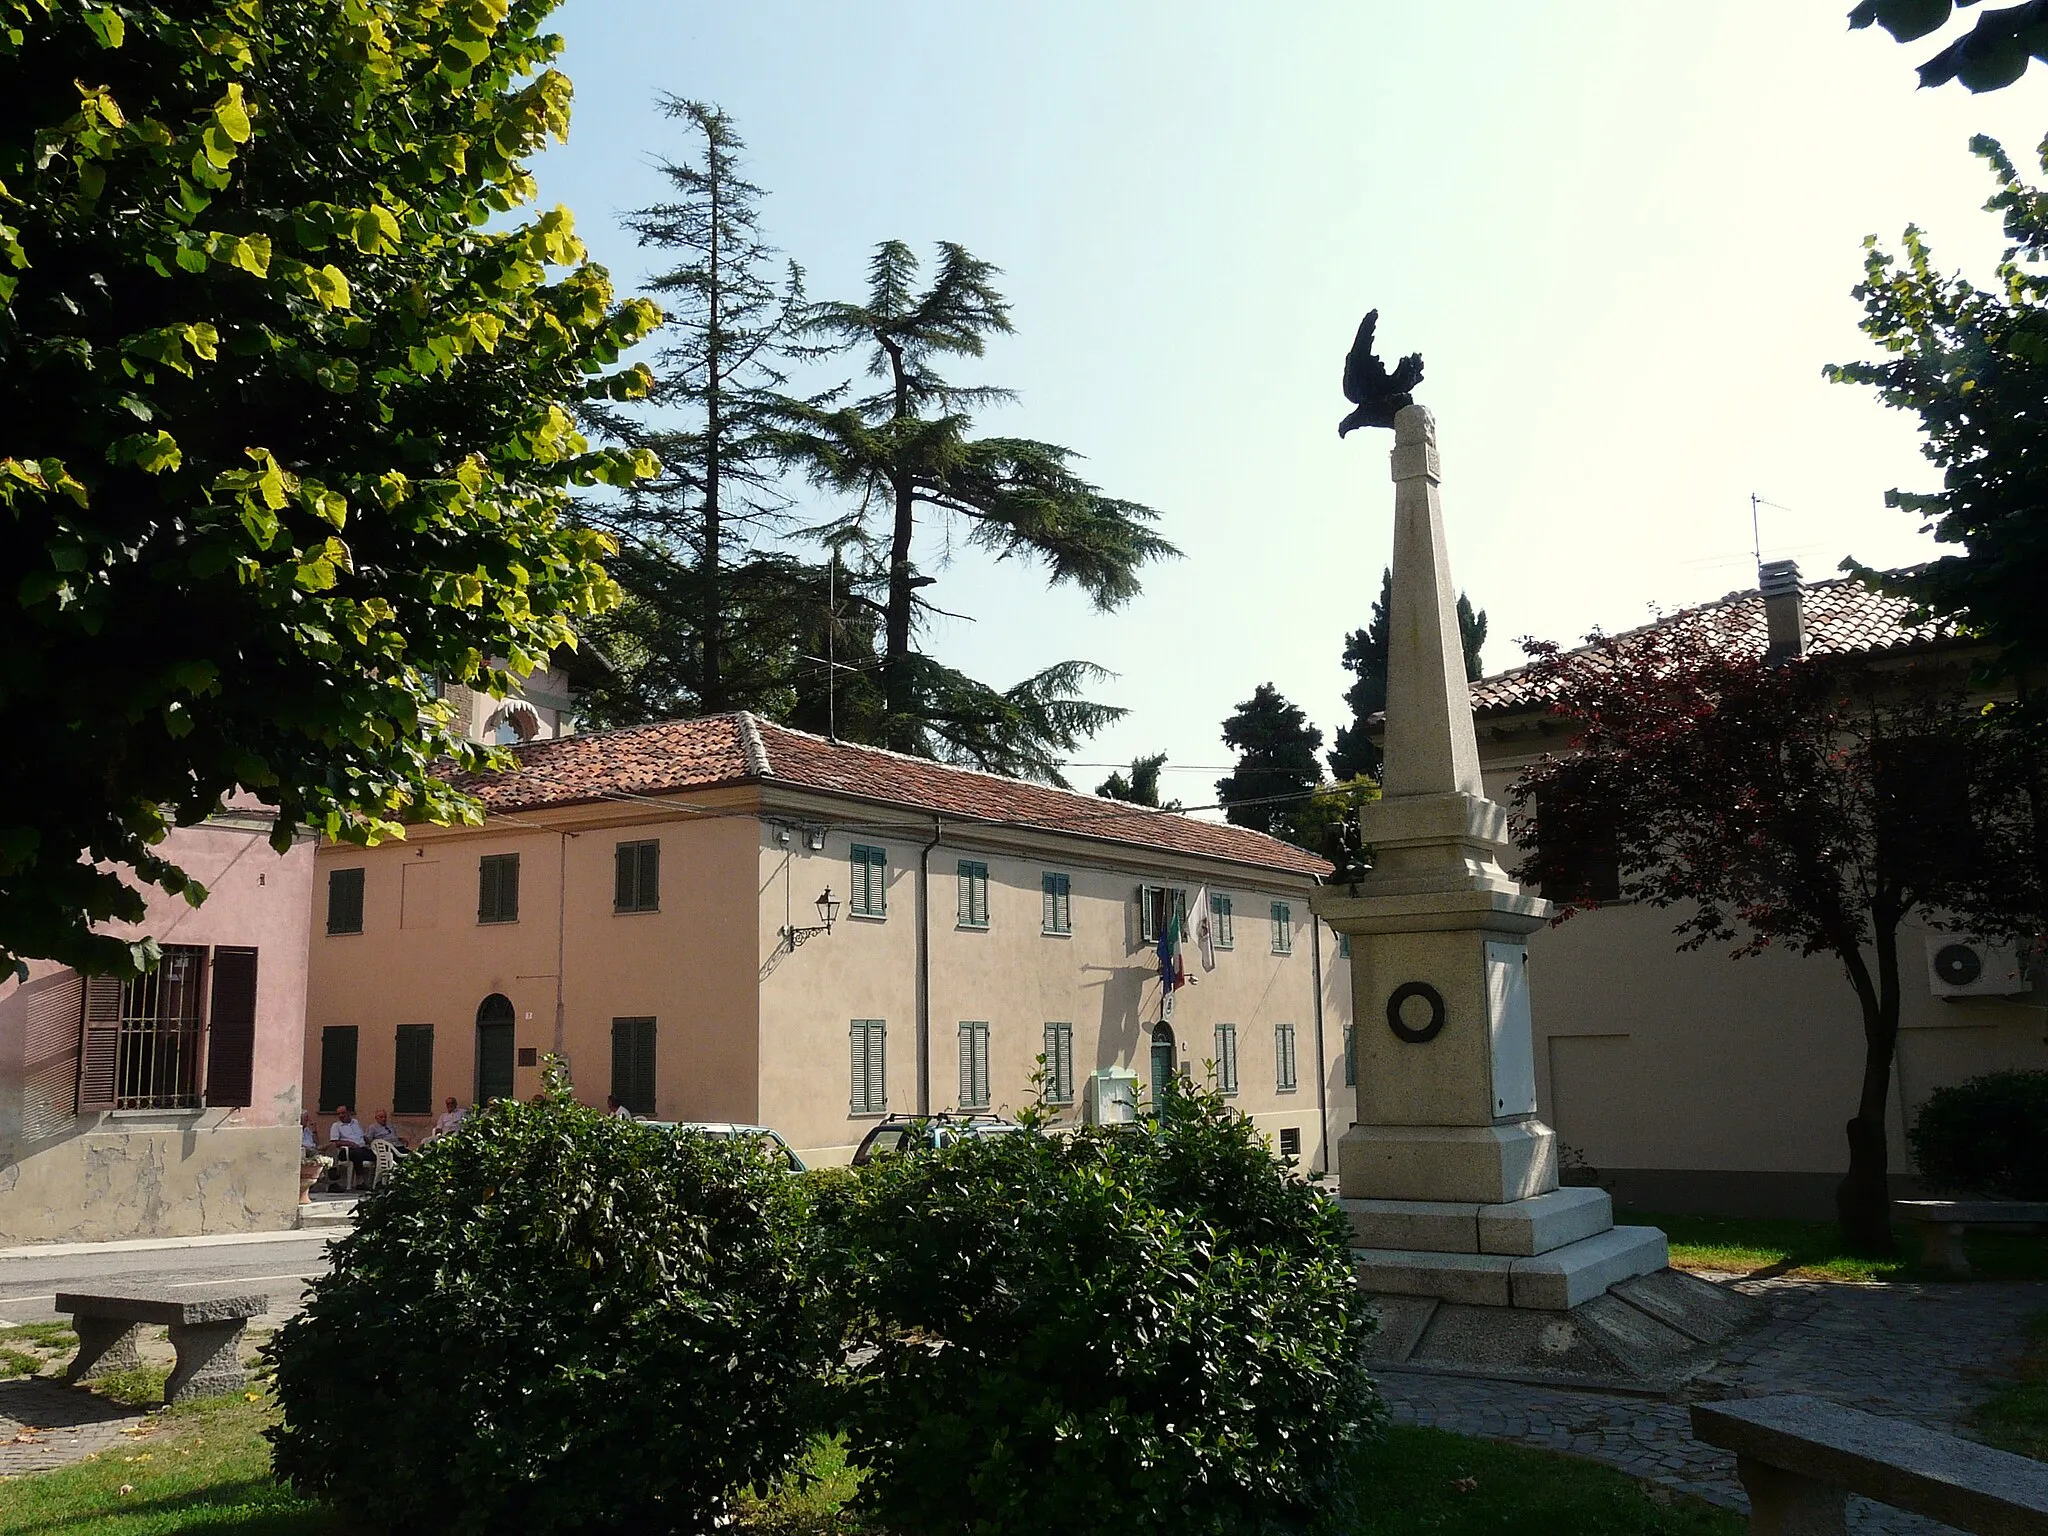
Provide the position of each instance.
(739, 748)
(1843, 617)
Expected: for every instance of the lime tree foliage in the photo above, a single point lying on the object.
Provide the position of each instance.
(289, 397)
(1812, 806)
(906, 456)
(1114, 1330)
(558, 1320)
(713, 616)
(1354, 753)
(1988, 54)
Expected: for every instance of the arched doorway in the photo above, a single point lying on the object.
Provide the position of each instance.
(494, 1048)
(1165, 1063)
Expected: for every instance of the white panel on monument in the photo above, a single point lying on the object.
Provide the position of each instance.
(1507, 1021)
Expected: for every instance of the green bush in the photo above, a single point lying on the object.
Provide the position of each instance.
(1986, 1136)
(1109, 1331)
(557, 1320)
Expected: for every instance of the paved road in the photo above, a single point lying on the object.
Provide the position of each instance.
(278, 1266)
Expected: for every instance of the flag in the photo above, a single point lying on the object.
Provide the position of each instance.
(1202, 922)
(1173, 971)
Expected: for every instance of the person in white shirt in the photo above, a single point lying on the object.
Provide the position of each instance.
(308, 1142)
(615, 1109)
(384, 1130)
(449, 1119)
(347, 1139)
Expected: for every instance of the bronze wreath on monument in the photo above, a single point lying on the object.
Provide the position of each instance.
(1416, 1034)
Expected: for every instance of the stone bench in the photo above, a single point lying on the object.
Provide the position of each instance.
(1941, 1224)
(1799, 1457)
(206, 1331)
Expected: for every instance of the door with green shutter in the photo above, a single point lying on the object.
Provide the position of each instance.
(412, 1078)
(633, 1064)
(337, 1066)
(494, 1049)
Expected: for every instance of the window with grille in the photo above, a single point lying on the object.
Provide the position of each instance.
(1226, 1059)
(412, 1073)
(345, 901)
(633, 1064)
(1059, 902)
(973, 894)
(1350, 1055)
(337, 1066)
(870, 881)
(1223, 922)
(870, 1067)
(497, 888)
(974, 1093)
(1059, 1063)
(1290, 1143)
(143, 1038)
(1283, 1058)
(637, 887)
(1283, 928)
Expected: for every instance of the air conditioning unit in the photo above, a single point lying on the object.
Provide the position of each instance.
(1963, 967)
(1112, 1097)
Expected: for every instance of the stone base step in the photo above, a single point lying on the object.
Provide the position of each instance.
(1555, 1281)
(1520, 1228)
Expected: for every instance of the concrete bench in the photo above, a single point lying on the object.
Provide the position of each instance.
(1941, 1224)
(206, 1331)
(1799, 1457)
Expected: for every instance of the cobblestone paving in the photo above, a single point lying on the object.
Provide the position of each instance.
(45, 1424)
(1928, 1353)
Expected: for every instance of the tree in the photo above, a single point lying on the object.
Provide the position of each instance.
(1811, 806)
(1355, 754)
(1988, 55)
(289, 425)
(1276, 763)
(1141, 787)
(709, 620)
(909, 449)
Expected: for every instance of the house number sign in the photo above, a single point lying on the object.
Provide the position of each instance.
(1416, 1034)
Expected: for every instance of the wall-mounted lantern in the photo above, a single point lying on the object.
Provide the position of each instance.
(828, 914)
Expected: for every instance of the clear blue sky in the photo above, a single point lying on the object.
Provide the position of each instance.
(1623, 236)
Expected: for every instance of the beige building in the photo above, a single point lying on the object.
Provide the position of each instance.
(1697, 1082)
(647, 903)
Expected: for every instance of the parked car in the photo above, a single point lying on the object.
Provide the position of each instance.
(724, 1130)
(900, 1133)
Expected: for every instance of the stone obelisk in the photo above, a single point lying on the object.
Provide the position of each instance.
(1449, 1177)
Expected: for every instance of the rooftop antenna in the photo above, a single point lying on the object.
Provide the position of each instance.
(1756, 535)
(830, 660)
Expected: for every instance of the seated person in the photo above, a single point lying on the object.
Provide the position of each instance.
(614, 1108)
(309, 1144)
(449, 1119)
(346, 1137)
(383, 1130)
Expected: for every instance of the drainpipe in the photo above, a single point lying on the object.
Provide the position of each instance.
(924, 970)
(561, 950)
(1315, 922)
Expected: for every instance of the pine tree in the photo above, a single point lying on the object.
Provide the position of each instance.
(711, 615)
(908, 451)
(1276, 763)
(1355, 754)
(1141, 786)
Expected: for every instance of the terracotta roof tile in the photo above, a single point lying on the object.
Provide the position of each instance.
(1843, 617)
(717, 749)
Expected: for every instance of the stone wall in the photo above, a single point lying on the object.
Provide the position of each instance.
(160, 1180)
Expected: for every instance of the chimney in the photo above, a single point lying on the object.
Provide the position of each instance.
(1784, 612)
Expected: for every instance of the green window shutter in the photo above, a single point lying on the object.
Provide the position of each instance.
(1283, 1057)
(1226, 931)
(1050, 921)
(1064, 912)
(650, 877)
(337, 1066)
(1343, 946)
(412, 1078)
(857, 1094)
(974, 1084)
(973, 903)
(1226, 1059)
(1350, 1055)
(966, 1065)
(633, 1041)
(1059, 1063)
(345, 901)
(231, 1030)
(626, 878)
(497, 894)
(965, 915)
(1148, 914)
(1283, 929)
(870, 1094)
(870, 880)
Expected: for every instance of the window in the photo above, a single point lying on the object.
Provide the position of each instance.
(1059, 1063)
(974, 1064)
(142, 1038)
(1290, 1143)
(1350, 1055)
(344, 901)
(1343, 946)
(497, 888)
(1059, 903)
(870, 881)
(1156, 903)
(1283, 1058)
(636, 886)
(412, 1072)
(337, 1066)
(633, 1064)
(1225, 922)
(870, 1067)
(1226, 1059)
(973, 894)
(1283, 928)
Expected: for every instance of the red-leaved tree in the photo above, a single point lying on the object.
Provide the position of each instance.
(1809, 805)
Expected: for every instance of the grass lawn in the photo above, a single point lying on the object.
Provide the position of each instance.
(1814, 1249)
(205, 1468)
(2016, 1417)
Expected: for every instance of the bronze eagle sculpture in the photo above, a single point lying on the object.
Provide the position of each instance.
(1377, 393)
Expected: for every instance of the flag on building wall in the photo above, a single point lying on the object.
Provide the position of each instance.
(1173, 970)
(1202, 923)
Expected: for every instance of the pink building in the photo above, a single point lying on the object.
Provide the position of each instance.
(169, 1105)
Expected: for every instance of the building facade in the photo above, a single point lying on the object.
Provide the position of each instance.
(167, 1106)
(646, 903)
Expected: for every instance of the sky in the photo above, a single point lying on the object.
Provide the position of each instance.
(1623, 237)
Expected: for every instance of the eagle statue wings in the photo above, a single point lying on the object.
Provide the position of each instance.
(1376, 393)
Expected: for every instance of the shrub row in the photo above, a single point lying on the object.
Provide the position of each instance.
(557, 1321)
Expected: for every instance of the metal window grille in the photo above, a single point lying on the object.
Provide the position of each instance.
(974, 1089)
(1283, 1058)
(157, 1060)
(1290, 1143)
(1059, 903)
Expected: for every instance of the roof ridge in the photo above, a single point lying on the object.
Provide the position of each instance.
(752, 746)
